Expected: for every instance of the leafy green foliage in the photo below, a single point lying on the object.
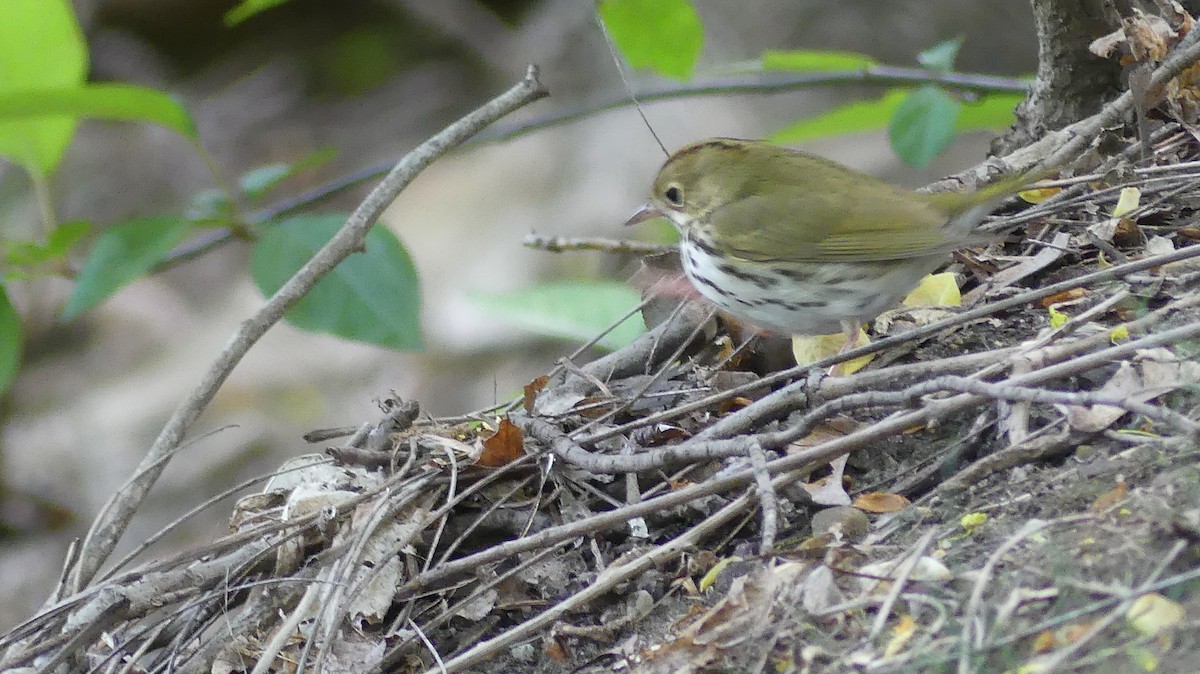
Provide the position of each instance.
(121, 254)
(10, 341)
(573, 310)
(41, 47)
(23, 258)
(921, 122)
(807, 60)
(118, 102)
(258, 182)
(923, 125)
(249, 8)
(371, 297)
(993, 112)
(663, 35)
(853, 118)
(941, 56)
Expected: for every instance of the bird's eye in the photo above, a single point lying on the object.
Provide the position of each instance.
(674, 195)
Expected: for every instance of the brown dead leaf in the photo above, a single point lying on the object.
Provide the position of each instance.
(1103, 46)
(1045, 642)
(1111, 498)
(880, 502)
(1148, 37)
(506, 445)
(1074, 633)
(1191, 231)
(531, 391)
(1065, 296)
(555, 650)
(832, 429)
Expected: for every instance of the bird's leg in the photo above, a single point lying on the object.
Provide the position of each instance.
(850, 329)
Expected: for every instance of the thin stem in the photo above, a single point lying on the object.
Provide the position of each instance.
(114, 517)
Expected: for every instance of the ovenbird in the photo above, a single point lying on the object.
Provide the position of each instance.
(798, 244)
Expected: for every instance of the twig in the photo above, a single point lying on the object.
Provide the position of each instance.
(985, 574)
(612, 576)
(902, 574)
(767, 500)
(738, 422)
(559, 244)
(114, 517)
(1064, 654)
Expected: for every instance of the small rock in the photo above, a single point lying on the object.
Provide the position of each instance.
(851, 522)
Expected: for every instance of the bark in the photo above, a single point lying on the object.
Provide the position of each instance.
(1071, 83)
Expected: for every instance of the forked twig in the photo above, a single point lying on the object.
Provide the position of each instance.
(114, 516)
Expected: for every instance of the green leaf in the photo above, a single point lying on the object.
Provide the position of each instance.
(66, 235)
(10, 341)
(663, 35)
(923, 125)
(257, 182)
(993, 112)
(118, 102)
(574, 310)
(210, 207)
(810, 60)
(122, 254)
(371, 297)
(21, 256)
(852, 118)
(41, 47)
(941, 56)
(249, 8)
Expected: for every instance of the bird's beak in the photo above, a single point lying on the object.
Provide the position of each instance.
(648, 211)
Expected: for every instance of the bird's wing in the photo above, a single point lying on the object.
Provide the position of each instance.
(802, 225)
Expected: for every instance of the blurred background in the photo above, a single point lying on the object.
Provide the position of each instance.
(368, 80)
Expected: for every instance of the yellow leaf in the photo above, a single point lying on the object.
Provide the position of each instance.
(935, 290)
(1057, 318)
(1044, 642)
(972, 521)
(710, 578)
(1145, 659)
(1037, 195)
(809, 349)
(1118, 334)
(1152, 614)
(902, 633)
(1128, 201)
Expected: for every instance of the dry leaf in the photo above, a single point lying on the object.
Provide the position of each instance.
(1151, 614)
(1064, 297)
(531, 391)
(935, 290)
(1044, 642)
(506, 445)
(831, 429)
(902, 633)
(880, 502)
(808, 349)
(1111, 498)
(1073, 633)
(829, 490)
(555, 651)
(1037, 195)
(819, 591)
(1124, 383)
